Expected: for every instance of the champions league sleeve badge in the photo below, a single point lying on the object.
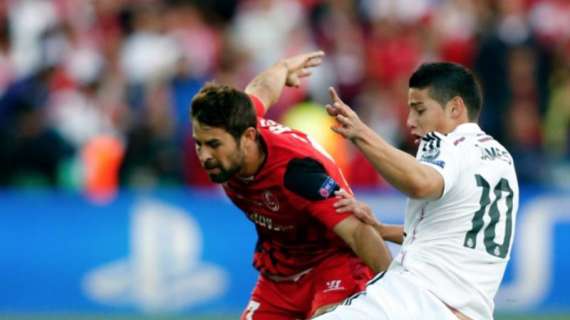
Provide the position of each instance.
(327, 188)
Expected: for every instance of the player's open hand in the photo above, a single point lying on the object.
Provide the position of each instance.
(361, 210)
(299, 66)
(348, 124)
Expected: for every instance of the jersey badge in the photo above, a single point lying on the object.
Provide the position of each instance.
(431, 146)
(430, 154)
(328, 186)
(271, 201)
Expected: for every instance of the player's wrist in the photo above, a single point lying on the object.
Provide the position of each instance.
(359, 135)
(379, 226)
(284, 65)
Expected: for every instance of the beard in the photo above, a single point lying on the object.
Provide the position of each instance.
(224, 174)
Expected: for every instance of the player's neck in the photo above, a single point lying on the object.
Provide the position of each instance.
(254, 160)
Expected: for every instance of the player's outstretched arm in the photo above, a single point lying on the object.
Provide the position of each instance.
(267, 85)
(348, 203)
(399, 168)
(365, 242)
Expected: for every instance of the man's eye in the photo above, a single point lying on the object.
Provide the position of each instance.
(420, 111)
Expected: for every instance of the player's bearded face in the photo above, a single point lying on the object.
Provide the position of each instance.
(221, 170)
(219, 152)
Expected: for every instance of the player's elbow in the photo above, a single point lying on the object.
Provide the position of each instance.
(426, 186)
(420, 190)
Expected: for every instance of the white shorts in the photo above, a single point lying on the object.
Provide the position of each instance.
(392, 295)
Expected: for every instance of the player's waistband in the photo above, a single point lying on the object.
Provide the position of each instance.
(292, 278)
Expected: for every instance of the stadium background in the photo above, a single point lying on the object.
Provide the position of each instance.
(104, 212)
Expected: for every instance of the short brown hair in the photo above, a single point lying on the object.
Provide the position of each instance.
(224, 107)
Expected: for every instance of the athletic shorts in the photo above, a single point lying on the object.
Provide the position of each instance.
(392, 295)
(332, 281)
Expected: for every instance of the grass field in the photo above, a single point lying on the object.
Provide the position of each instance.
(219, 317)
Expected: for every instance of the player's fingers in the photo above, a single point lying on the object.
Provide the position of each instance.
(315, 55)
(364, 218)
(304, 73)
(346, 209)
(334, 95)
(343, 120)
(342, 203)
(342, 194)
(313, 62)
(360, 215)
(293, 81)
(340, 130)
(332, 111)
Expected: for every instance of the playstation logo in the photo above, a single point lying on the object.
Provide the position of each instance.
(163, 271)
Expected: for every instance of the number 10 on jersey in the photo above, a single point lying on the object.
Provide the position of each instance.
(501, 191)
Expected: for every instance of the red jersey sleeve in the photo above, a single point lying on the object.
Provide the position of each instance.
(324, 211)
(258, 105)
(308, 179)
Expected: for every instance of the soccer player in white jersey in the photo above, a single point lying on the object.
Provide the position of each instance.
(463, 199)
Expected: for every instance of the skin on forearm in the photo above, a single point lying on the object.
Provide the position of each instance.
(267, 85)
(399, 168)
(370, 247)
(392, 233)
(365, 242)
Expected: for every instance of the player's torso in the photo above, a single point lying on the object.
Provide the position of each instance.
(485, 192)
(290, 239)
(460, 244)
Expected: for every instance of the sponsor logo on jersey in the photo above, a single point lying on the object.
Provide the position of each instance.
(328, 186)
(334, 285)
(268, 223)
(271, 201)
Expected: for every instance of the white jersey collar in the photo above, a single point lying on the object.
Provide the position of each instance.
(469, 127)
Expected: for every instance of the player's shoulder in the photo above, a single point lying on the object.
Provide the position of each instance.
(308, 178)
(433, 142)
(434, 138)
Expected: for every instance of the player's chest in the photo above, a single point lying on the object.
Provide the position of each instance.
(269, 207)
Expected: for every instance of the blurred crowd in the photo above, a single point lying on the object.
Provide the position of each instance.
(95, 94)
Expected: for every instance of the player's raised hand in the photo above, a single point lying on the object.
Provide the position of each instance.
(347, 202)
(299, 66)
(349, 124)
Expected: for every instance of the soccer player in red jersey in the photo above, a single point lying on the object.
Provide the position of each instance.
(309, 256)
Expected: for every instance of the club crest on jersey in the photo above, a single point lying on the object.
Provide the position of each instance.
(271, 201)
(430, 154)
(432, 143)
(327, 187)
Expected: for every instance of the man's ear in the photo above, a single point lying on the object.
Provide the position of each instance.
(457, 107)
(250, 134)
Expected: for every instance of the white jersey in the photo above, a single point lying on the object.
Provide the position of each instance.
(458, 246)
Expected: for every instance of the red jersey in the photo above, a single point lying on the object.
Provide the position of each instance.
(294, 227)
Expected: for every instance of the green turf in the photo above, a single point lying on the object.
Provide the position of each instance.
(219, 317)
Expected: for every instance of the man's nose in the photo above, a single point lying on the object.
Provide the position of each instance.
(203, 154)
(410, 122)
